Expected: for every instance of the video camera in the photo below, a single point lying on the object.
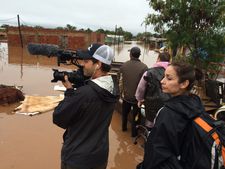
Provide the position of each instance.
(63, 56)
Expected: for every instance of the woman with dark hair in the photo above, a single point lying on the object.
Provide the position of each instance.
(172, 143)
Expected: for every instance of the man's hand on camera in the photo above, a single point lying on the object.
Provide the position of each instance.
(67, 84)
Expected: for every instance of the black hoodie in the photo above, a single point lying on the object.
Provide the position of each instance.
(172, 142)
(86, 115)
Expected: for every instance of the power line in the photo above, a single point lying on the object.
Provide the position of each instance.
(2, 20)
(24, 23)
(12, 23)
(9, 21)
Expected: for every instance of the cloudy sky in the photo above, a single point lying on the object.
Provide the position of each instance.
(93, 14)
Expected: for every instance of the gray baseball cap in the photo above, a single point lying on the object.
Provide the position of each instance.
(103, 53)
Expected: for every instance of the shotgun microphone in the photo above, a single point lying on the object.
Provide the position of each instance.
(63, 56)
(53, 50)
(43, 49)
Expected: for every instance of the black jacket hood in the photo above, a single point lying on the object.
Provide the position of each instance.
(168, 137)
(186, 106)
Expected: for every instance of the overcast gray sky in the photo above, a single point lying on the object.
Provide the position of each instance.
(93, 14)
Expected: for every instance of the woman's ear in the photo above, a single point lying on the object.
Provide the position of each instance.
(184, 84)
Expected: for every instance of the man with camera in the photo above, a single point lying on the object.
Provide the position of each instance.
(86, 112)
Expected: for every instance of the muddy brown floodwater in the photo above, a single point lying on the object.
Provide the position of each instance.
(35, 142)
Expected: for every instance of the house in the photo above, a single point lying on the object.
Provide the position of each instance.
(114, 39)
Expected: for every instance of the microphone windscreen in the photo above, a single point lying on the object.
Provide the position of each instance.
(43, 49)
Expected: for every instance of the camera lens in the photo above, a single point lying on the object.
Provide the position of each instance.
(58, 76)
(75, 77)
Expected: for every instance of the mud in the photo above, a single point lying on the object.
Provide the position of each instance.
(9, 95)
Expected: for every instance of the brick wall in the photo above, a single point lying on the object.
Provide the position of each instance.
(65, 39)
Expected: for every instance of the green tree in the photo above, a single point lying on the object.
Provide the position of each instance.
(4, 26)
(127, 36)
(145, 36)
(119, 31)
(60, 28)
(70, 27)
(196, 24)
(38, 27)
(100, 30)
(88, 30)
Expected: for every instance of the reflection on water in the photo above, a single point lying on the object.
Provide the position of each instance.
(124, 153)
(3, 55)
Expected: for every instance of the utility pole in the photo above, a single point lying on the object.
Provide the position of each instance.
(115, 34)
(115, 37)
(145, 35)
(21, 38)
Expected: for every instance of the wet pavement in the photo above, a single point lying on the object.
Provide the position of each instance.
(35, 142)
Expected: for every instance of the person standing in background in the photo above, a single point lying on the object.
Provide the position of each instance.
(129, 77)
(142, 89)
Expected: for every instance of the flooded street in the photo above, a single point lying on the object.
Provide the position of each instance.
(34, 142)
(122, 54)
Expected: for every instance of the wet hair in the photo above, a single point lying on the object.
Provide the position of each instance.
(135, 55)
(104, 67)
(186, 71)
(164, 57)
(135, 52)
